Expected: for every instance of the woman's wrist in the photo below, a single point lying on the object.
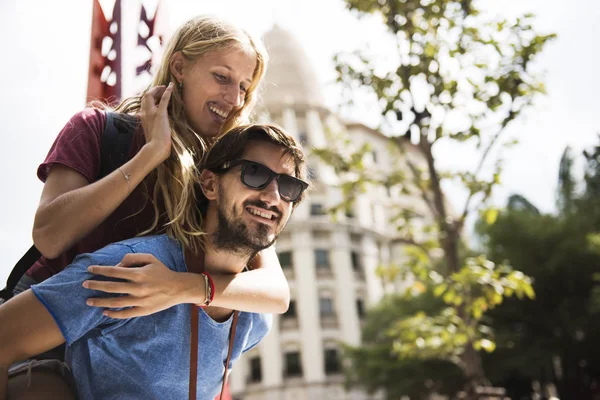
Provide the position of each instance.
(193, 289)
(158, 152)
(209, 289)
(151, 156)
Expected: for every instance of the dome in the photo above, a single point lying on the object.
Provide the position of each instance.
(290, 79)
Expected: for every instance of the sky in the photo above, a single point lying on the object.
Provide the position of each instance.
(45, 49)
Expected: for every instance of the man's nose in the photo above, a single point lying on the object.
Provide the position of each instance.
(270, 194)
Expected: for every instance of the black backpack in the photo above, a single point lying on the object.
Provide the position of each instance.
(114, 149)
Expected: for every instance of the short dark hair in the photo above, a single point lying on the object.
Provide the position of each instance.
(231, 146)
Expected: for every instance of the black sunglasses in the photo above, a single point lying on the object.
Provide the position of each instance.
(257, 176)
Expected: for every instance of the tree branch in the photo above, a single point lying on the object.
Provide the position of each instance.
(438, 196)
(511, 115)
(413, 169)
(412, 242)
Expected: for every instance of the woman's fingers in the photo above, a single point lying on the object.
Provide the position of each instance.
(115, 302)
(148, 289)
(155, 93)
(164, 99)
(111, 287)
(137, 259)
(132, 312)
(149, 101)
(117, 271)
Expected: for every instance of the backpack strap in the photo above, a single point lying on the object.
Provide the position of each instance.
(115, 146)
(116, 141)
(28, 259)
(194, 336)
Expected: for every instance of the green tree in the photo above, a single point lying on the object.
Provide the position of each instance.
(376, 367)
(554, 337)
(560, 325)
(469, 66)
(592, 173)
(566, 183)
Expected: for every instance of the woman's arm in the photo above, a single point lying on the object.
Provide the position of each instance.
(70, 208)
(264, 289)
(154, 287)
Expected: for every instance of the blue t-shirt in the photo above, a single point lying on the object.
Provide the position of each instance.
(146, 357)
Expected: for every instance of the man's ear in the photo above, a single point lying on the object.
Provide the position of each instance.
(176, 66)
(209, 182)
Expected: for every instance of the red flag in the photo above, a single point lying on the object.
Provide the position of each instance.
(104, 77)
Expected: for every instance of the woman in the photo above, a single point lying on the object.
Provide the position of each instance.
(206, 84)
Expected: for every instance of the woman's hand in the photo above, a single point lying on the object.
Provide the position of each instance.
(155, 119)
(147, 289)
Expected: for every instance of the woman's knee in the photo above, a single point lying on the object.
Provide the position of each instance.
(39, 385)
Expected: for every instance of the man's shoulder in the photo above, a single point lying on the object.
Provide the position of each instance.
(260, 323)
(141, 244)
(256, 328)
(167, 250)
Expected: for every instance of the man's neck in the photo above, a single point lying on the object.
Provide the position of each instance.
(214, 260)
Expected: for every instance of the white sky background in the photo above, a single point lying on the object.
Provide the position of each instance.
(44, 47)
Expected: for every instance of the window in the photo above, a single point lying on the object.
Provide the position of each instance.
(303, 138)
(322, 259)
(285, 259)
(355, 257)
(293, 367)
(332, 361)
(255, 370)
(291, 312)
(316, 209)
(360, 308)
(326, 306)
(374, 214)
(374, 156)
(312, 173)
(349, 212)
(320, 236)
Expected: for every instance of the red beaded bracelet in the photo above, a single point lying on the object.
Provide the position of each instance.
(211, 295)
(209, 290)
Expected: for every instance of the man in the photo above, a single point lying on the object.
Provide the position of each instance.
(251, 181)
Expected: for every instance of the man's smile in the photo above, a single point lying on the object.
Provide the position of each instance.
(262, 215)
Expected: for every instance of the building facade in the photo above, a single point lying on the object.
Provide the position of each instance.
(330, 263)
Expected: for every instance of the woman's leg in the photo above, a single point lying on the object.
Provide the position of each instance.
(35, 380)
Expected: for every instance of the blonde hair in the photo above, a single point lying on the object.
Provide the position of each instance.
(176, 176)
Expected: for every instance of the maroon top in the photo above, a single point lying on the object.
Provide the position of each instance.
(78, 147)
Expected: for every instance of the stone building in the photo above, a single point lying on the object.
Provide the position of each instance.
(330, 264)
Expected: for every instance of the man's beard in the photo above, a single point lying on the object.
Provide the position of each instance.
(232, 234)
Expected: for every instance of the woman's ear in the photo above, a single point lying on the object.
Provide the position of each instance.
(176, 66)
(209, 184)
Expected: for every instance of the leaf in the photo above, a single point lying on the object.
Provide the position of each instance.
(529, 292)
(449, 297)
(487, 345)
(439, 289)
(490, 215)
(419, 287)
